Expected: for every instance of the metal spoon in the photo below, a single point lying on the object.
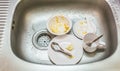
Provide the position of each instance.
(56, 47)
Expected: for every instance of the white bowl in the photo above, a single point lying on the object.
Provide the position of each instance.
(59, 29)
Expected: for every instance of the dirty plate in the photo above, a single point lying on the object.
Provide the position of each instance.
(70, 44)
(82, 27)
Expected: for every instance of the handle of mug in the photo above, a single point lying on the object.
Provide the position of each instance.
(101, 45)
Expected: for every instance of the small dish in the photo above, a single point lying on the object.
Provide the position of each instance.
(82, 27)
(75, 49)
(59, 25)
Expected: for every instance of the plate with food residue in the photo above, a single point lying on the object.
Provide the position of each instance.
(70, 44)
(82, 27)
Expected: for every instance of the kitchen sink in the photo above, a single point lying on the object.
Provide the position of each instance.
(30, 17)
(23, 26)
(21, 48)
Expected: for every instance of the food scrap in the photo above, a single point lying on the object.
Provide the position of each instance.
(70, 47)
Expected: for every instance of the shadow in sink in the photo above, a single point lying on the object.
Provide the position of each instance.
(31, 17)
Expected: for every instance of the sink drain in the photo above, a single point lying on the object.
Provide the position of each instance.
(41, 39)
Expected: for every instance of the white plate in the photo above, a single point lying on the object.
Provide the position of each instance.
(60, 58)
(81, 29)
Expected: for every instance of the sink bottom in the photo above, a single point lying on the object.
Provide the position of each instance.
(31, 17)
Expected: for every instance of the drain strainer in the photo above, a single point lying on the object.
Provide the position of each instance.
(41, 39)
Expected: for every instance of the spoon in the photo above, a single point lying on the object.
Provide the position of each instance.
(89, 43)
(56, 47)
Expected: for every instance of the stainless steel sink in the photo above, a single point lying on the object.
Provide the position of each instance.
(27, 19)
(31, 17)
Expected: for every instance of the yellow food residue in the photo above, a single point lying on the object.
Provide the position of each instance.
(84, 33)
(66, 26)
(71, 56)
(57, 19)
(82, 23)
(70, 47)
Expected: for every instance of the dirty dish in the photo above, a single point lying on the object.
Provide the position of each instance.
(68, 43)
(59, 25)
(82, 27)
(92, 42)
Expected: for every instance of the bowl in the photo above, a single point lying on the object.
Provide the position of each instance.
(59, 25)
